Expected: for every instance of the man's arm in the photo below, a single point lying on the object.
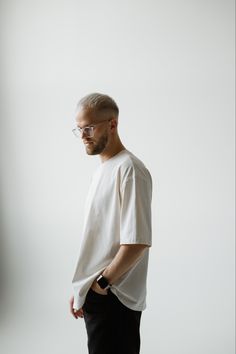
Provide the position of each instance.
(126, 257)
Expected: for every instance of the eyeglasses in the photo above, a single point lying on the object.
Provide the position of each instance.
(88, 130)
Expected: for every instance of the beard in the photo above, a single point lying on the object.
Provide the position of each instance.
(97, 148)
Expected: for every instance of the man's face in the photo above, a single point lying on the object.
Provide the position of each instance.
(98, 142)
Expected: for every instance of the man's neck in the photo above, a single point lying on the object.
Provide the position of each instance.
(115, 149)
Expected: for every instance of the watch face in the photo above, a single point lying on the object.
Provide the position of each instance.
(102, 282)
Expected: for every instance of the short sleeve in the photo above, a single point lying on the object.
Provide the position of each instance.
(135, 218)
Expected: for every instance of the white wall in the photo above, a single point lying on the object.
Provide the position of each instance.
(170, 67)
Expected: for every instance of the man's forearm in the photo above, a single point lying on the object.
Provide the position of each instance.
(126, 257)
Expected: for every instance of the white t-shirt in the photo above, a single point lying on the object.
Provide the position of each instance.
(117, 211)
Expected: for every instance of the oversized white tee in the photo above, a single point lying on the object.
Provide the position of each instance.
(117, 211)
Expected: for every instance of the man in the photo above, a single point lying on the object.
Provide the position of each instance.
(110, 278)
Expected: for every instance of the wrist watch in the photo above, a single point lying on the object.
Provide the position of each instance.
(103, 282)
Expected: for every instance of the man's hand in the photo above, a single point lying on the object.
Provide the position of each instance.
(95, 287)
(75, 313)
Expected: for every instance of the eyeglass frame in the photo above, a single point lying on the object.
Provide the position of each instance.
(81, 130)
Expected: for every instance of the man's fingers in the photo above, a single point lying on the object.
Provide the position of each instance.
(78, 313)
(75, 312)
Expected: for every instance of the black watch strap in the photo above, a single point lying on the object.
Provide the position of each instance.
(103, 282)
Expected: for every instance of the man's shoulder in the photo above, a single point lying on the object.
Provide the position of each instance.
(130, 166)
(129, 160)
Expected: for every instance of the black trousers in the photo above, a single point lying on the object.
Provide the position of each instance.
(112, 328)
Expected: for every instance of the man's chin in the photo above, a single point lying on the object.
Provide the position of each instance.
(90, 151)
(94, 149)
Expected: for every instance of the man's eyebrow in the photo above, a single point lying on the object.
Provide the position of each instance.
(89, 125)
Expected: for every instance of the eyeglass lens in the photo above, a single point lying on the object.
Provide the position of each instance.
(87, 130)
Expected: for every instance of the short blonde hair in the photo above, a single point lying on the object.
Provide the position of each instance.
(98, 102)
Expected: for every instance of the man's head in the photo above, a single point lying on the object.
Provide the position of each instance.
(98, 114)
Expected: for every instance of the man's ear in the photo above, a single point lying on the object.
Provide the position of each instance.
(113, 124)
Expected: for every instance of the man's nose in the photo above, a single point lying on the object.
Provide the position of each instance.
(85, 135)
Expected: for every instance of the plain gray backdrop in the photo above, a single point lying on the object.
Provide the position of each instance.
(170, 67)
